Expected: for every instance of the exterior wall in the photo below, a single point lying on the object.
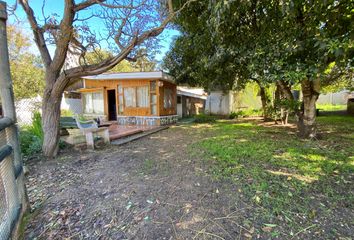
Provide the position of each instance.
(105, 85)
(190, 106)
(179, 110)
(338, 98)
(218, 103)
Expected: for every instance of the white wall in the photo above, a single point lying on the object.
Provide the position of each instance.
(179, 110)
(338, 98)
(218, 103)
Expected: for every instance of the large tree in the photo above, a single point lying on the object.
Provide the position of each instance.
(282, 42)
(84, 26)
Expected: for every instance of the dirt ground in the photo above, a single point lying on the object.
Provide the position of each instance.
(152, 188)
(147, 189)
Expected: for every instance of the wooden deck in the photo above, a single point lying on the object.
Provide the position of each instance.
(116, 131)
(119, 131)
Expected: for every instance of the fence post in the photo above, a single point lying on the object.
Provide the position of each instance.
(9, 114)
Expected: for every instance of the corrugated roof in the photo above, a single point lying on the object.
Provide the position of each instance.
(131, 75)
(192, 92)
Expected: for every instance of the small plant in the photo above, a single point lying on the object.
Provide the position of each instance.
(36, 127)
(66, 113)
(31, 136)
(250, 112)
(234, 115)
(203, 118)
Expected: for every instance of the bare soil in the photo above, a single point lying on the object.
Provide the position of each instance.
(147, 189)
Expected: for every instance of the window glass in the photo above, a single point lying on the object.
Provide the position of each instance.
(97, 103)
(153, 109)
(153, 86)
(120, 89)
(153, 99)
(120, 109)
(93, 103)
(120, 99)
(167, 98)
(142, 96)
(129, 97)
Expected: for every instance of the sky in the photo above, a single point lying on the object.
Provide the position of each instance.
(56, 7)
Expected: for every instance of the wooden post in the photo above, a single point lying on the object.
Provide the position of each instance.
(9, 124)
(6, 90)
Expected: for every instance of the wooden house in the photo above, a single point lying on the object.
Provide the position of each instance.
(136, 98)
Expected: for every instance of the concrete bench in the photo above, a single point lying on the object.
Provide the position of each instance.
(89, 128)
(89, 134)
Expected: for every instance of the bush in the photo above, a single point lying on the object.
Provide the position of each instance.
(30, 144)
(203, 118)
(250, 112)
(234, 115)
(31, 137)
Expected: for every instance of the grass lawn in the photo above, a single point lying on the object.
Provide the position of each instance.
(330, 107)
(295, 186)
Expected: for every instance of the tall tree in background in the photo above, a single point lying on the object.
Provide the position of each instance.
(27, 70)
(282, 42)
(122, 25)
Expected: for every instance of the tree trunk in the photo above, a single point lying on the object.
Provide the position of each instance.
(50, 124)
(307, 117)
(265, 102)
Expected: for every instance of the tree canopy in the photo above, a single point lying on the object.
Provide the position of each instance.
(225, 44)
(26, 68)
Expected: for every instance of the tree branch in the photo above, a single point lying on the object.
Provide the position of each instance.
(37, 32)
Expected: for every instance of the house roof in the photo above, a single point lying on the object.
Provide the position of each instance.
(192, 92)
(131, 76)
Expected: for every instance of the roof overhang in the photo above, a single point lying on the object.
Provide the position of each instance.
(131, 76)
(189, 94)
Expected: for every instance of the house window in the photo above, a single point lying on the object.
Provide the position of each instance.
(142, 96)
(93, 103)
(120, 100)
(136, 96)
(167, 98)
(130, 96)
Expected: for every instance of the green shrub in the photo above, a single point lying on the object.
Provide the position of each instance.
(30, 144)
(203, 118)
(31, 136)
(36, 127)
(234, 115)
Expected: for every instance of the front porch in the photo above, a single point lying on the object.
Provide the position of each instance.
(116, 132)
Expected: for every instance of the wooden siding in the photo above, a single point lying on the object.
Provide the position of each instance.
(93, 85)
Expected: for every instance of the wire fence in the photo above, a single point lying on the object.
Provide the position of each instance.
(25, 108)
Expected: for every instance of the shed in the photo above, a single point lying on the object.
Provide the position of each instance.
(190, 101)
(134, 98)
